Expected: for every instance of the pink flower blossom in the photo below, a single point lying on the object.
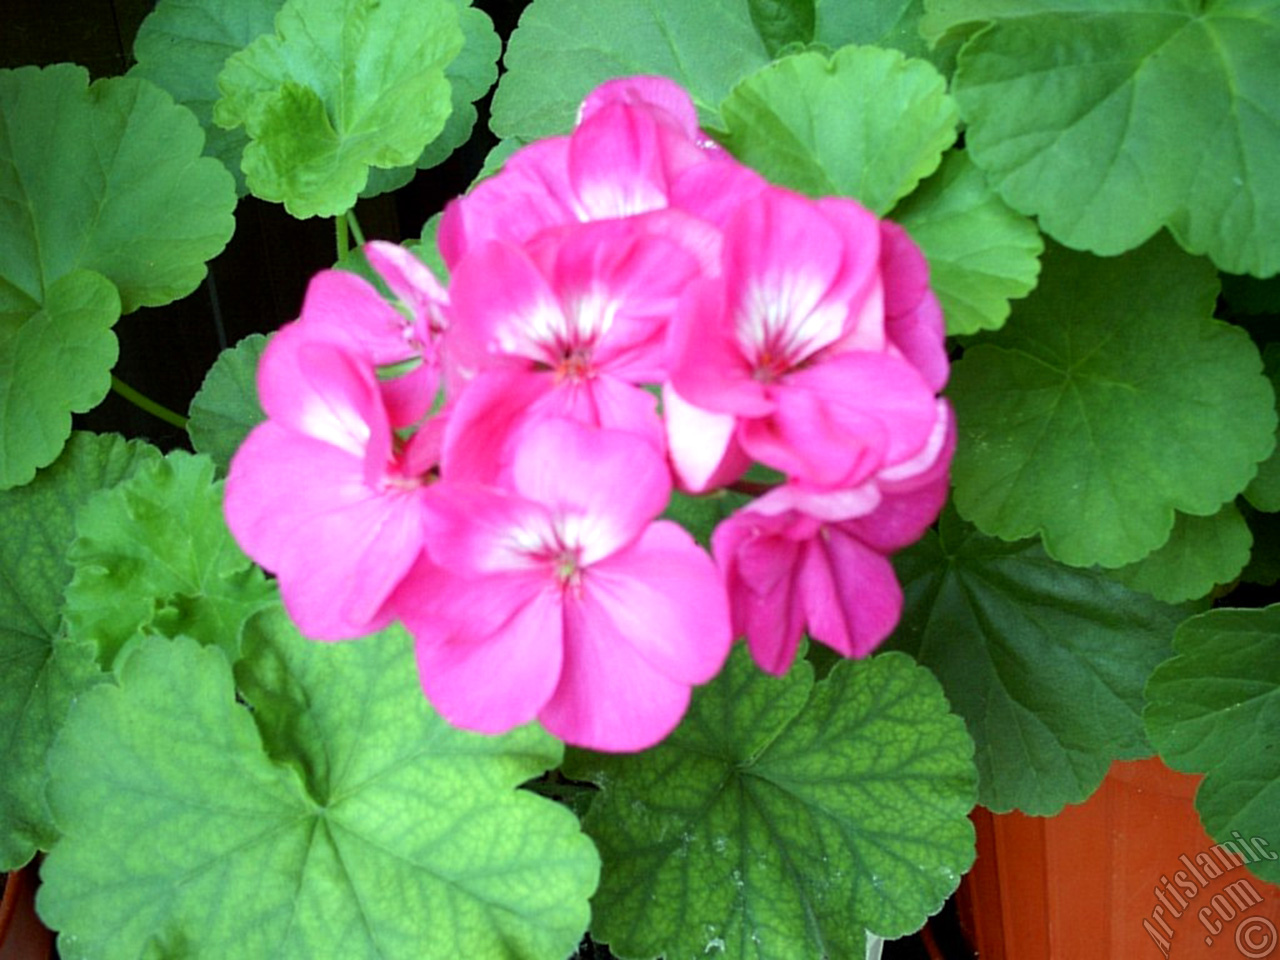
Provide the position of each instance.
(569, 325)
(800, 560)
(791, 341)
(323, 494)
(560, 597)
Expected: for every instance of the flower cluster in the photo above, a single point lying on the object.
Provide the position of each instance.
(629, 311)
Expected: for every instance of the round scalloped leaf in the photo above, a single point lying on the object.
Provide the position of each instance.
(1045, 663)
(54, 362)
(1110, 122)
(226, 407)
(153, 554)
(1109, 401)
(1214, 708)
(43, 671)
(563, 49)
(1201, 553)
(867, 123)
(981, 253)
(108, 178)
(333, 92)
(182, 46)
(783, 817)
(350, 815)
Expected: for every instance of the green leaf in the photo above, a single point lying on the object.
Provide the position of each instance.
(153, 555)
(782, 817)
(55, 362)
(226, 406)
(1264, 561)
(470, 74)
(43, 671)
(563, 49)
(782, 22)
(1112, 121)
(1263, 492)
(867, 123)
(981, 253)
(405, 837)
(102, 181)
(108, 178)
(1075, 427)
(1214, 708)
(1201, 553)
(339, 87)
(885, 23)
(182, 46)
(700, 515)
(1045, 663)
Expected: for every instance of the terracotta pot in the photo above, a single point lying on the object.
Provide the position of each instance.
(1128, 874)
(22, 935)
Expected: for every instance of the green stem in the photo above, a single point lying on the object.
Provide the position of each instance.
(344, 242)
(146, 403)
(354, 224)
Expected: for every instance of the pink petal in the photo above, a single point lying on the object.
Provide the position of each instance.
(609, 697)
(708, 367)
(477, 531)
(652, 91)
(302, 509)
(530, 194)
(502, 308)
(702, 445)
(851, 597)
(496, 666)
(758, 560)
(913, 318)
(325, 389)
(611, 484)
(664, 597)
(616, 164)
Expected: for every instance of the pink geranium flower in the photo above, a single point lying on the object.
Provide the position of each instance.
(560, 597)
(790, 340)
(569, 325)
(323, 494)
(800, 560)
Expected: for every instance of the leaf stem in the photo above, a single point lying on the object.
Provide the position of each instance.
(354, 224)
(144, 402)
(344, 241)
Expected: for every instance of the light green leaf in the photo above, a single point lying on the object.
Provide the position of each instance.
(1263, 491)
(1201, 553)
(356, 818)
(1045, 663)
(981, 253)
(1214, 708)
(108, 178)
(55, 362)
(153, 555)
(1110, 121)
(563, 49)
(1074, 427)
(470, 74)
(782, 22)
(782, 817)
(867, 123)
(226, 406)
(42, 670)
(182, 46)
(339, 87)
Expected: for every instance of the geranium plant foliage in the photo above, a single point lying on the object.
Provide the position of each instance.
(814, 420)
